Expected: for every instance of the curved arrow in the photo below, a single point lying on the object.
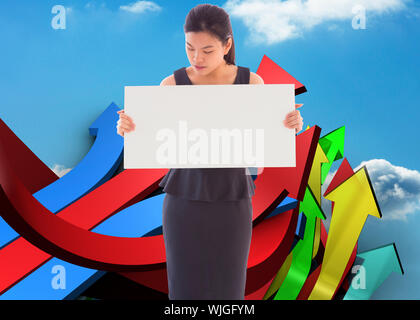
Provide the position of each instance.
(136, 220)
(96, 167)
(89, 211)
(31, 170)
(58, 237)
(271, 241)
(133, 221)
(95, 207)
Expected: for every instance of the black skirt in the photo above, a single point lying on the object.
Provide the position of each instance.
(207, 246)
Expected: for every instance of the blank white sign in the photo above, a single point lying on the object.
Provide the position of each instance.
(209, 126)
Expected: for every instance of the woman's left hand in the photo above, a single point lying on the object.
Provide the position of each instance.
(294, 120)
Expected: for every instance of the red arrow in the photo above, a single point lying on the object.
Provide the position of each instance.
(272, 73)
(66, 236)
(34, 174)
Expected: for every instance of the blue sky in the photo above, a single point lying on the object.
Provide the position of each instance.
(55, 82)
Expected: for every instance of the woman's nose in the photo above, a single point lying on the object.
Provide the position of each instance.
(197, 56)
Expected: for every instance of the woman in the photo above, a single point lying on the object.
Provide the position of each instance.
(207, 213)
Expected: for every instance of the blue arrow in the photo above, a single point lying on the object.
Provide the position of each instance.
(299, 232)
(300, 228)
(377, 265)
(287, 204)
(95, 168)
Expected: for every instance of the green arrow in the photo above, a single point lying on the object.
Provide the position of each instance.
(302, 253)
(333, 146)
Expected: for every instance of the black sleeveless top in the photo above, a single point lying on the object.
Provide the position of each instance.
(209, 184)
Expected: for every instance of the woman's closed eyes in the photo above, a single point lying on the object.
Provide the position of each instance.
(203, 51)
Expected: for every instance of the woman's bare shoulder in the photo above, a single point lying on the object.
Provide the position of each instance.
(168, 81)
(255, 78)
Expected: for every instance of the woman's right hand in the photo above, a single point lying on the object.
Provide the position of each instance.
(124, 124)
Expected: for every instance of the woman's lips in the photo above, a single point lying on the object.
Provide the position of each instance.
(198, 67)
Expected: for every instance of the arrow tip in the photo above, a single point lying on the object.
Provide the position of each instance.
(107, 116)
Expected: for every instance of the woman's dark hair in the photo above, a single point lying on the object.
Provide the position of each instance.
(214, 20)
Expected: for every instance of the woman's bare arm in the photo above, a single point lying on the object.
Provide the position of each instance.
(255, 79)
(168, 81)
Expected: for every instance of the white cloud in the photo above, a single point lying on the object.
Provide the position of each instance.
(89, 5)
(110, 19)
(333, 27)
(93, 5)
(60, 170)
(396, 188)
(273, 21)
(140, 7)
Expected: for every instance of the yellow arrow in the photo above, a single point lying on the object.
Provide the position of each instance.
(314, 182)
(280, 276)
(317, 237)
(354, 200)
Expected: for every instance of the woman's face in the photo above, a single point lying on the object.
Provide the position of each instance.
(205, 50)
